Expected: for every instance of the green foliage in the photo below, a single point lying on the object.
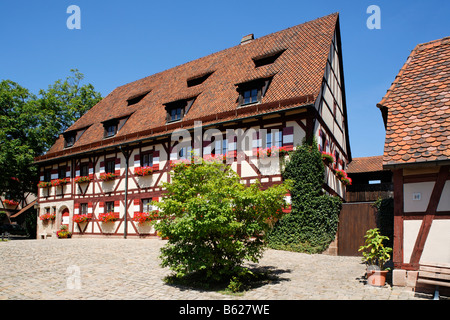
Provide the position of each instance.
(29, 126)
(213, 222)
(385, 219)
(374, 252)
(312, 223)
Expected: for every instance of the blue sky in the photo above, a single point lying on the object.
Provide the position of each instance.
(122, 41)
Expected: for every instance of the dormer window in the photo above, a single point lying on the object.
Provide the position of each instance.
(110, 129)
(199, 79)
(70, 140)
(137, 98)
(267, 59)
(253, 91)
(178, 109)
(112, 126)
(70, 137)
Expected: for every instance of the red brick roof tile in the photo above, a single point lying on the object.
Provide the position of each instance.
(365, 164)
(297, 78)
(418, 107)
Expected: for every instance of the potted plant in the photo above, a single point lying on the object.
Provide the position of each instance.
(108, 217)
(63, 233)
(44, 184)
(60, 182)
(328, 157)
(375, 255)
(80, 218)
(47, 217)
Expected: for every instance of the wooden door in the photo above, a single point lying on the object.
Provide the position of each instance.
(354, 220)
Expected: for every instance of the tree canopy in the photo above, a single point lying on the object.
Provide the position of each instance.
(30, 124)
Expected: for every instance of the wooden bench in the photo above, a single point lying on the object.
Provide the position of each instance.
(434, 274)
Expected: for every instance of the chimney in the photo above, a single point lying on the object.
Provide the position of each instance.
(247, 39)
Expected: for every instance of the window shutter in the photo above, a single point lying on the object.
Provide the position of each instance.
(117, 167)
(76, 208)
(101, 206)
(137, 205)
(173, 153)
(91, 170)
(102, 167)
(90, 209)
(54, 174)
(155, 199)
(137, 160)
(288, 138)
(232, 142)
(155, 160)
(206, 147)
(256, 143)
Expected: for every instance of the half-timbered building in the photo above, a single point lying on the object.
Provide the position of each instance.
(416, 113)
(269, 92)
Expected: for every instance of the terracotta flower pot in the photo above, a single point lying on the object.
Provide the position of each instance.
(376, 278)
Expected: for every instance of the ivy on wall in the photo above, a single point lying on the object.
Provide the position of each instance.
(312, 223)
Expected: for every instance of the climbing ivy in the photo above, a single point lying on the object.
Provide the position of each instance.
(312, 223)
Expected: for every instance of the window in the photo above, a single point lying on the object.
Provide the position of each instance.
(69, 140)
(47, 175)
(62, 172)
(250, 96)
(252, 92)
(178, 109)
(220, 146)
(109, 206)
(147, 205)
(146, 160)
(110, 129)
(274, 138)
(84, 170)
(110, 166)
(83, 208)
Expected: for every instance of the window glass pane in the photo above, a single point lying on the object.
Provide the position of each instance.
(254, 95)
(110, 166)
(147, 160)
(110, 206)
(61, 172)
(83, 208)
(224, 146)
(146, 205)
(269, 140)
(84, 170)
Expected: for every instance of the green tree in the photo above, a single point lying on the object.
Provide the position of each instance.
(312, 223)
(29, 126)
(213, 222)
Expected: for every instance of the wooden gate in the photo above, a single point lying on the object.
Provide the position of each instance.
(354, 220)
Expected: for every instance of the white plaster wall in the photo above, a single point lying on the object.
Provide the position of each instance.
(409, 189)
(437, 246)
(410, 232)
(444, 202)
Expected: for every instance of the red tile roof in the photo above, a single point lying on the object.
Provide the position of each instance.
(418, 107)
(297, 78)
(366, 164)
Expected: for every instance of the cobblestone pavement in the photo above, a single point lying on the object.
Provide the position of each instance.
(129, 269)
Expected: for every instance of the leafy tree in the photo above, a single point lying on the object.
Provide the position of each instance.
(29, 125)
(312, 223)
(213, 222)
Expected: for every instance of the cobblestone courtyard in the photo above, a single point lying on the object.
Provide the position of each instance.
(129, 269)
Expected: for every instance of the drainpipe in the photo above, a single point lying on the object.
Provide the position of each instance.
(126, 154)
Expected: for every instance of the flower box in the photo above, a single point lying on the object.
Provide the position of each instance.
(10, 202)
(47, 217)
(108, 217)
(328, 158)
(44, 184)
(80, 218)
(215, 158)
(143, 171)
(107, 176)
(60, 182)
(271, 152)
(82, 179)
(142, 217)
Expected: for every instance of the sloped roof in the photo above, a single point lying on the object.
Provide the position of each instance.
(297, 77)
(365, 164)
(418, 107)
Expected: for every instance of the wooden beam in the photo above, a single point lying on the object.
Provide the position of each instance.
(398, 217)
(429, 216)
